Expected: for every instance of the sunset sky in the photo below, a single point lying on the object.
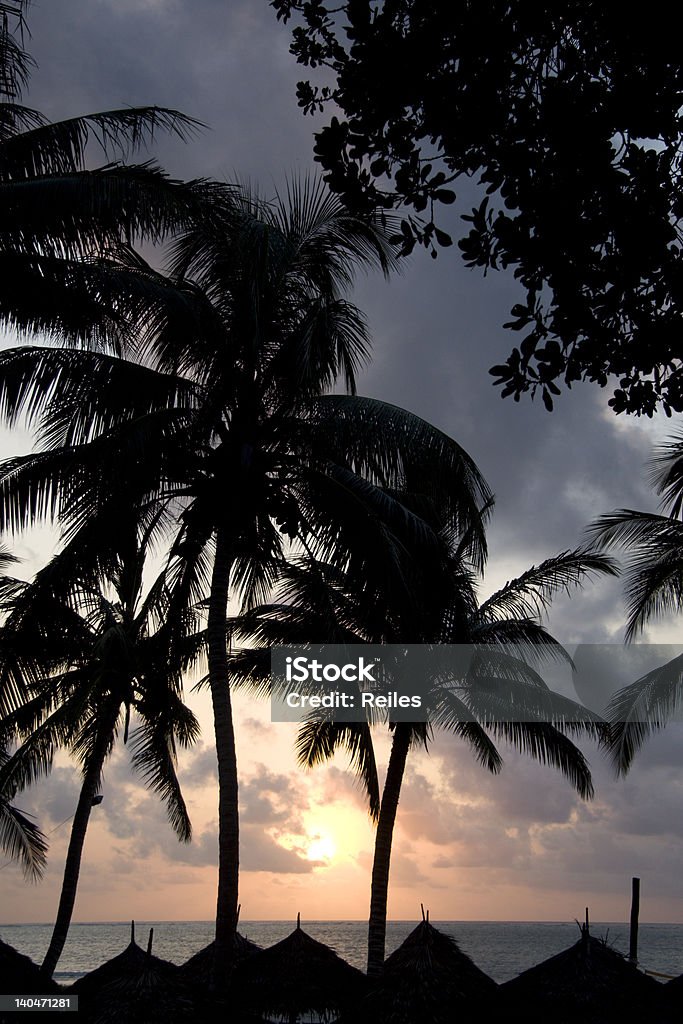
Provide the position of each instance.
(469, 846)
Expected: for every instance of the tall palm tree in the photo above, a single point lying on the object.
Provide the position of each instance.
(221, 415)
(95, 650)
(653, 586)
(318, 605)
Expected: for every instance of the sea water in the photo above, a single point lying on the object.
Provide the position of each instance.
(502, 949)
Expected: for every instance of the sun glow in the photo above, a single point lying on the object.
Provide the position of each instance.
(320, 847)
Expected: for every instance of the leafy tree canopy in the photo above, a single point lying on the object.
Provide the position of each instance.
(568, 117)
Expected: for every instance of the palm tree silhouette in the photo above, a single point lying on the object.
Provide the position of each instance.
(653, 576)
(91, 650)
(221, 419)
(318, 603)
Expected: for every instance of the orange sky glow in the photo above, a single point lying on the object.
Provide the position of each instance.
(471, 847)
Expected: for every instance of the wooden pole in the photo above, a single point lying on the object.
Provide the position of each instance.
(635, 910)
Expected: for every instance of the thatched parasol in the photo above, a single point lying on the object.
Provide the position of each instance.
(429, 980)
(588, 983)
(298, 976)
(135, 987)
(19, 974)
(198, 970)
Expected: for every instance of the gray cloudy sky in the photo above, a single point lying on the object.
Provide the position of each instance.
(517, 846)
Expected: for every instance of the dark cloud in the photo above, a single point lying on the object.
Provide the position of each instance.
(437, 328)
(225, 64)
(58, 796)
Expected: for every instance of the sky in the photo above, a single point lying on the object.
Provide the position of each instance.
(520, 846)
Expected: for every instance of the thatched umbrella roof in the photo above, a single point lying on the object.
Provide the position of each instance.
(589, 982)
(132, 960)
(134, 986)
(297, 975)
(19, 974)
(198, 970)
(429, 980)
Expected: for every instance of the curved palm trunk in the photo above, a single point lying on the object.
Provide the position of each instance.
(228, 819)
(72, 867)
(377, 927)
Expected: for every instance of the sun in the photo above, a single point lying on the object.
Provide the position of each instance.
(321, 847)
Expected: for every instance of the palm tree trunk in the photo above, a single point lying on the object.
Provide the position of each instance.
(228, 819)
(72, 867)
(377, 927)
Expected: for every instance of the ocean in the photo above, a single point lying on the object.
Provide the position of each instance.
(501, 948)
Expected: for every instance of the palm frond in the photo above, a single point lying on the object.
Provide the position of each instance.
(15, 63)
(546, 744)
(529, 595)
(249, 668)
(329, 341)
(154, 757)
(325, 244)
(55, 148)
(530, 640)
(641, 709)
(397, 450)
(318, 740)
(453, 714)
(81, 214)
(22, 840)
(667, 475)
(654, 565)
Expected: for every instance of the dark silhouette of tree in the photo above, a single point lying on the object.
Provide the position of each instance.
(653, 586)
(60, 217)
(568, 119)
(220, 420)
(20, 838)
(317, 603)
(93, 651)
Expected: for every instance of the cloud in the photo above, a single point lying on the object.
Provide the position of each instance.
(260, 852)
(405, 869)
(59, 794)
(269, 798)
(226, 64)
(199, 768)
(342, 786)
(257, 727)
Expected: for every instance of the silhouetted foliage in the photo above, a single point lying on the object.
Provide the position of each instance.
(60, 218)
(568, 118)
